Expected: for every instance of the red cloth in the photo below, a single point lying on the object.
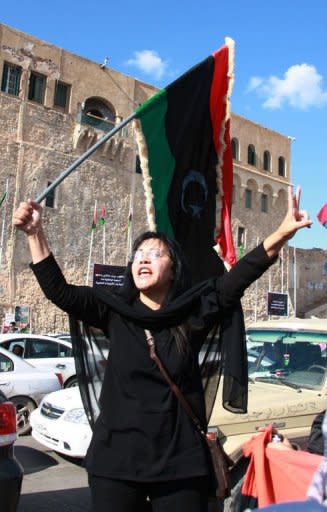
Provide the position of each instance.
(277, 475)
(322, 215)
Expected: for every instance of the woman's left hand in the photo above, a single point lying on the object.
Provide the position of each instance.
(295, 218)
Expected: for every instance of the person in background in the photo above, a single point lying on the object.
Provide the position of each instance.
(12, 327)
(18, 350)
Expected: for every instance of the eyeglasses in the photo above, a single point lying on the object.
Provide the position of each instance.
(151, 254)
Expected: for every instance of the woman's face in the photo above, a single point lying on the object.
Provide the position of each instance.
(152, 267)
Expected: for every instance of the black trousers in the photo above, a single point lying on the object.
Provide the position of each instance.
(109, 495)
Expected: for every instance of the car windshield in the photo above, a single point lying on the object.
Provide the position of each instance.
(294, 359)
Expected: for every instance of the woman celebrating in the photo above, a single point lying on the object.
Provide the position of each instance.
(144, 444)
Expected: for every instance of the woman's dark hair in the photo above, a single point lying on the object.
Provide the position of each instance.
(182, 275)
(182, 279)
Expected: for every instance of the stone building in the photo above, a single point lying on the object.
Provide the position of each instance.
(54, 105)
(308, 270)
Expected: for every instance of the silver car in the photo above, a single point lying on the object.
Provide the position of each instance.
(25, 386)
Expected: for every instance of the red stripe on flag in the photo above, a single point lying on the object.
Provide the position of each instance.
(218, 110)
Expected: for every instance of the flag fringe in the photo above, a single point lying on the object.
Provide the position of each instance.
(219, 203)
(144, 159)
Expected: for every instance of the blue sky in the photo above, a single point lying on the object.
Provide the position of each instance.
(280, 62)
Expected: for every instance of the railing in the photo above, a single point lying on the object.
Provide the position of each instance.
(97, 122)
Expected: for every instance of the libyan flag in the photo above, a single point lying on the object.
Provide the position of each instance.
(186, 159)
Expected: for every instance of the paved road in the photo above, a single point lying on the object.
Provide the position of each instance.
(51, 483)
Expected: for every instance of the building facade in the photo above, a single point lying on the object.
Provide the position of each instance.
(55, 105)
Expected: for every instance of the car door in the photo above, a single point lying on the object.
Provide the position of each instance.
(50, 354)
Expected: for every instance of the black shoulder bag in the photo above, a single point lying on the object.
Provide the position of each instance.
(220, 460)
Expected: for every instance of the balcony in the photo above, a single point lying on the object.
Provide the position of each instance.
(97, 122)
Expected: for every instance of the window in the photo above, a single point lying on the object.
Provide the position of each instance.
(266, 161)
(6, 364)
(235, 151)
(240, 241)
(240, 236)
(138, 168)
(248, 198)
(11, 78)
(264, 203)
(39, 349)
(251, 155)
(61, 95)
(98, 113)
(50, 198)
(281, 166)
(65, 351)
(36, 87)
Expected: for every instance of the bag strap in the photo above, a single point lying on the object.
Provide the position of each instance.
(175, 389)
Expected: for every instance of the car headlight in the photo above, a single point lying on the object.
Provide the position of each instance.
(76, 416)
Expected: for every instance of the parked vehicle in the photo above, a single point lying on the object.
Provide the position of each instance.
(60, 423)
(25, 385)
(287, 388)
(11, 472)
(45, 351)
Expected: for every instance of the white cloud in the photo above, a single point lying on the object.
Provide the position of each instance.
(254, 83)
(149, 62)
(301, 87)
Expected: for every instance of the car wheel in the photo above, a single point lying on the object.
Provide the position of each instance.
(71, 383)
(24, 407)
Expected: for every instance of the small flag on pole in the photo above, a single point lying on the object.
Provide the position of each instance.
(322, 216)
(94, 222)
(102, 219)
(3, 197)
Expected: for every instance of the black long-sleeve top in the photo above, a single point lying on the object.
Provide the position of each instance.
(142, 433)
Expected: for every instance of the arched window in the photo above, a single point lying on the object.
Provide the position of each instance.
(266, 161)
(251, 155)
(281, 166)
(98, 113)
(235, 149)
(264, 203)
(248, 198)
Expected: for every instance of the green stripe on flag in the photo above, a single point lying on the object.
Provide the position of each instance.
(3, 197)
(161, 161)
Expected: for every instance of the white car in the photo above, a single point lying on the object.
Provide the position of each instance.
(44, 351)
(25, 385)
(60, 423)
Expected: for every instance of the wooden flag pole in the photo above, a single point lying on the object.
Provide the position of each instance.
(83, 157)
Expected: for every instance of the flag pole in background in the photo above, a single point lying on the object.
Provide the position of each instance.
(130, 217)
(93, 229)
(102, 222)
(3, 199)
